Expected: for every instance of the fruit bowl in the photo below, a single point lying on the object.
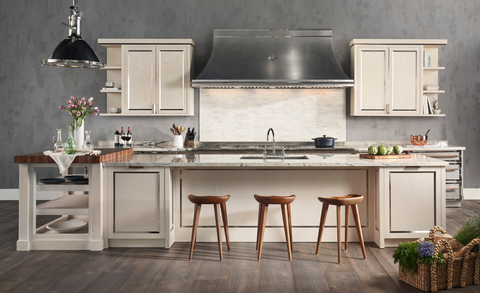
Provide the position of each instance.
(419, 140)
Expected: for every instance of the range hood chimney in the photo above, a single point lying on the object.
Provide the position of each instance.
(265, 58)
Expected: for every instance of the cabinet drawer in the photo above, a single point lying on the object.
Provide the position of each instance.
(446, 156)
(452, 191)
(452, 172)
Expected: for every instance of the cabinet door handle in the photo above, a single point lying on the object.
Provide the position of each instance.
(135, 167)
(388, 109)
(450, 189)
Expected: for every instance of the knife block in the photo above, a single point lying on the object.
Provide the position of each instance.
(189, 141)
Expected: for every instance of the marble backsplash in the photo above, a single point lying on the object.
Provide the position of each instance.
(294, 114)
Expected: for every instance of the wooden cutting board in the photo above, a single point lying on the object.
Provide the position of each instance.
(106, 155)
(376, 157)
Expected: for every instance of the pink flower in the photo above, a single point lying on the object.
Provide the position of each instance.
(83, 108)
(61, 107)
(89, 103)
(83, 99)
(69, 101)
(69, 106)
(90, 99)
(84, 103)
(79, 103)
(72, 98)
(96, 110)
(74, 111)
(78, 113)
(96, 114)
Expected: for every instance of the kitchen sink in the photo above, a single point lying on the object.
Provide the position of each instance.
(273, 157)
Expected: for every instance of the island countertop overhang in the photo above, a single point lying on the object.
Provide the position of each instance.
(233, 160)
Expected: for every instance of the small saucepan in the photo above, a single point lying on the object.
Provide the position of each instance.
(324, 142)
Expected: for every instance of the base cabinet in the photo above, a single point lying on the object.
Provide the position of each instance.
(136, 206)
(409, 202)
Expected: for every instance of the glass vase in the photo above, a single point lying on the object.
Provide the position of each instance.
(70, 145)
(88, 144)
(59, 145)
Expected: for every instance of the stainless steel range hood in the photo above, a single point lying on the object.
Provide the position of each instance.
(264, 58)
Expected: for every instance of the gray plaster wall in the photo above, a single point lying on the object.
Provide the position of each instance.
(30, 94)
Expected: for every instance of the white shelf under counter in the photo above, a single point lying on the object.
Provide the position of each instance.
(76, 204)
(65, 186)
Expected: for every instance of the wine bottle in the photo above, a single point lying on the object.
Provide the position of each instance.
(129, 137)
(120, 139)
(116, 138)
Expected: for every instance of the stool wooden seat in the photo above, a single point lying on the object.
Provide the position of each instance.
(215, 200)
(284, 202)
(347, 201)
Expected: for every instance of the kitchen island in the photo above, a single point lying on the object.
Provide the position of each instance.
(140, 200)
(404, 198)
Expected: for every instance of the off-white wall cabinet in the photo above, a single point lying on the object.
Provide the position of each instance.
(151, 77)
(136, 206)
(391, 76)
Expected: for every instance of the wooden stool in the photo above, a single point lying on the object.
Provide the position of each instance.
(347, 201)
(215, 200)
(285, 202)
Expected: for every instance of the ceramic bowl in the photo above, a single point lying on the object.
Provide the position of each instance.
(113, 110)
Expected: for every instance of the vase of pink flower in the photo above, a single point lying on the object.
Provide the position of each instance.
(79, 109)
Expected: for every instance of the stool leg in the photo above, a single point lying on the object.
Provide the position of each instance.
(347, 210)
(290, 225)
(262, 232)
(287, 230)
(223, 208)
(219, 234)
(259, 226)
(323, 218)
(359, 229)
(339, 240)
(196, 216)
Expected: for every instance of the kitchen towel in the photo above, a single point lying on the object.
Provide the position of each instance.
(64, 160)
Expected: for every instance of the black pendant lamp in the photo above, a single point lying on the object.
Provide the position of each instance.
(74, 51)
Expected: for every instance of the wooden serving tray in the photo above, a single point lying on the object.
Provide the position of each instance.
(375, 157)
(106, 155)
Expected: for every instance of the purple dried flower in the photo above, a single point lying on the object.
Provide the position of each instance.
(425, 249)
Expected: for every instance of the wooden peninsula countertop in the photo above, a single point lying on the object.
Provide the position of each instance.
(107, 154)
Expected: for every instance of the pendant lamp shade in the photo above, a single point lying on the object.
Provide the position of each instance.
(74, 51)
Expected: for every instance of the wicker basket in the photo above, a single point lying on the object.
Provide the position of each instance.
(459, 271)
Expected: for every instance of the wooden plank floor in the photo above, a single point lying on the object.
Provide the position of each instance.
(160, 270)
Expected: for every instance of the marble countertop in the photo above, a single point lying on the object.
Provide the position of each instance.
(435, 145)
(357, 146)
(232, 160)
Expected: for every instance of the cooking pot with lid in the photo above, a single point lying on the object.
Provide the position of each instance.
(324, 142)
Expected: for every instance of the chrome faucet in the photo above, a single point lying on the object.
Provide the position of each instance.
(273, 134)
